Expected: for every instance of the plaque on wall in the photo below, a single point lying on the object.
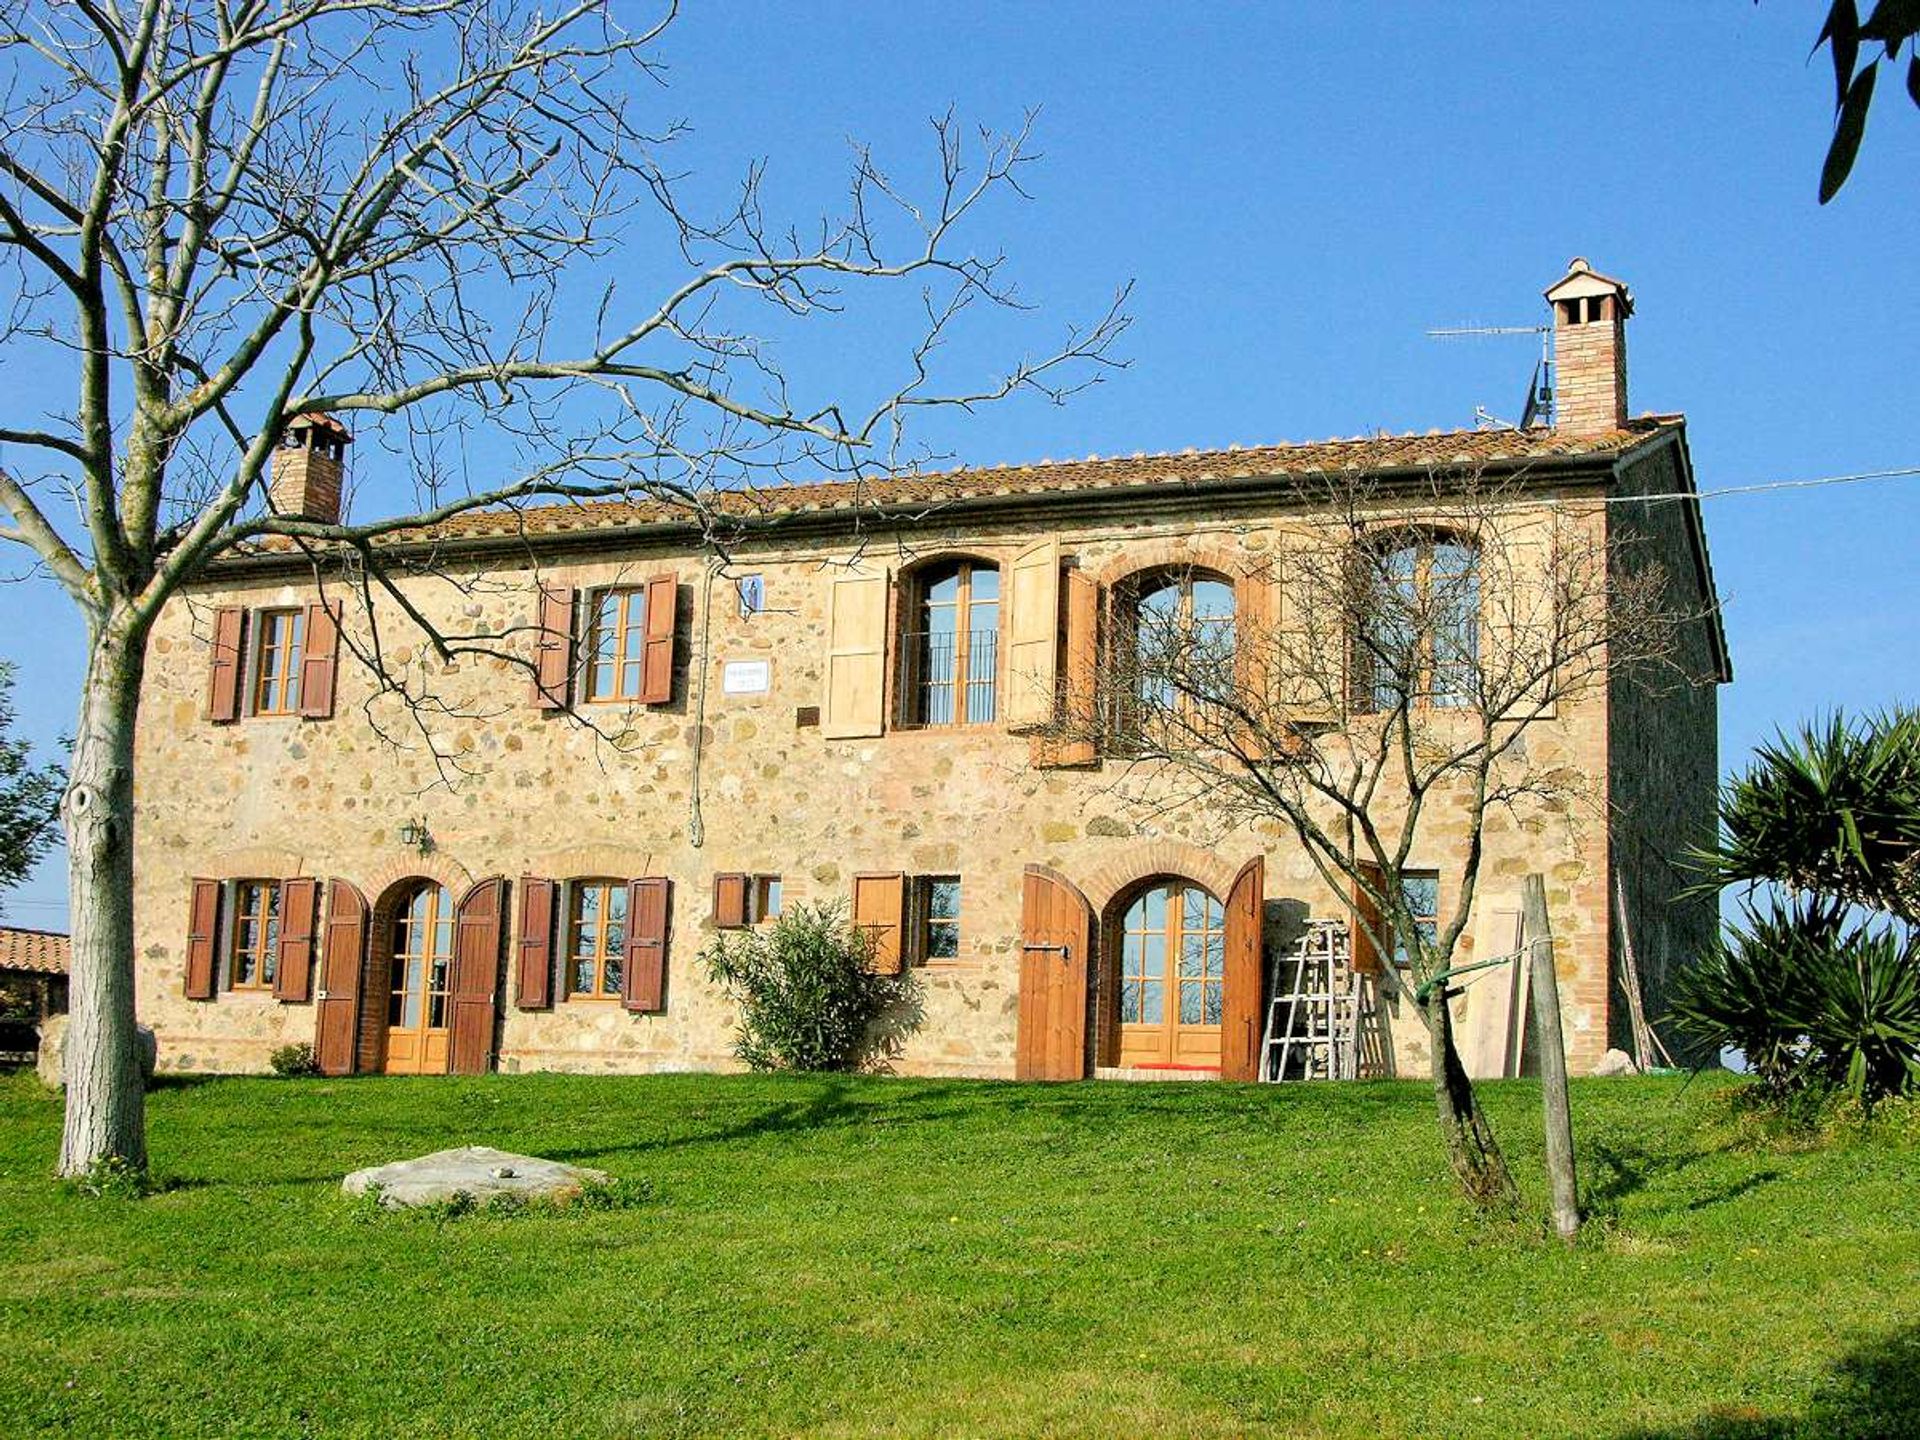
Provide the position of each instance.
(746, 677)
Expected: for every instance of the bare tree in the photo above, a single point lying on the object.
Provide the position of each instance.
(1406, 648)
(219, 217)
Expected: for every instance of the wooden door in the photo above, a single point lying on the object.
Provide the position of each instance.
(1241, 1012)
(1056, 931)
(474, 990)
(419, 981)
(342, 956)
(1172, 970)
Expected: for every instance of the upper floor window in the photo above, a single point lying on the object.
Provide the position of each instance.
(616, 645)
(950, 650)
(596, 938)
(277, 649)
(1183, 641)
(1420, 626)
(253, 940)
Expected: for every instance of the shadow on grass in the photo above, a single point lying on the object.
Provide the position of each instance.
(1872, 1393)
(1623, 1170)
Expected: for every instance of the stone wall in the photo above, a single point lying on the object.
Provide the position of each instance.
(715, 783)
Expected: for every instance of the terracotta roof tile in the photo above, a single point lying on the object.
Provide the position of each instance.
(1358, 454)
(39, 950)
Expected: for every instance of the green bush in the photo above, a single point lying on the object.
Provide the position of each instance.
(1811, 1000)
(294, 1060)
(808, 997)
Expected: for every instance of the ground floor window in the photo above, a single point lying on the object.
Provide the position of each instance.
(1420, 889)
(596, 938)
(253, 940)
(937, 913)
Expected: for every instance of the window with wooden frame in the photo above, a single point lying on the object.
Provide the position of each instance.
(253, 935)
(936, 914)
(1181, 628)
(617, 644)
(950, 645)
(740, 900)
(1419, 640)
(1420, 892)
(277, 653)
(596, 939)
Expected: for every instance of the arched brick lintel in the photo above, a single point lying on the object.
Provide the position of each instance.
(379, 886)
(1149, 858)
(1177, 553)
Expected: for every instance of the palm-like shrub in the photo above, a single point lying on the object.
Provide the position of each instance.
(1813, 991)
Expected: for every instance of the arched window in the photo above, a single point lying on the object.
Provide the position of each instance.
(1182, 626)
(1172, 971)
(1420, 631)
(950, 648)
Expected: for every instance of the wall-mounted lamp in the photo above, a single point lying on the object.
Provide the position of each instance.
(414, 833)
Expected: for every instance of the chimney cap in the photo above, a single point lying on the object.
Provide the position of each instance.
(319, 420)
(1582, 280)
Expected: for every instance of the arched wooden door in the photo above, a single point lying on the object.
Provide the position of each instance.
(1056, 933)
(420, 980)
(1241, 1020)
(1190, 976)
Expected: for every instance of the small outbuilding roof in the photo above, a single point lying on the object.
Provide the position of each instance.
(41, 951)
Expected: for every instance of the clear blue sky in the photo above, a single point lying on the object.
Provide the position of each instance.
(1300, 190)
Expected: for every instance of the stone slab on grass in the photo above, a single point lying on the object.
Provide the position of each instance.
(477, 1171)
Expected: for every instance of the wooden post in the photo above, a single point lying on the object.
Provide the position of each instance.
(1538, 938)
(1636, 1002)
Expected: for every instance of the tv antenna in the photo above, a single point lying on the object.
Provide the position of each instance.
(1539, 402)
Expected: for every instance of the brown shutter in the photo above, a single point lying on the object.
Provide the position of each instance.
(535, 986)
(643, 979)
(1033, 631)
(856, 675)
(1520, 638)
(223, 681)
(1363, 940)
(730, 901)
(1056, 933)
(203, 929)
(553, 648)
(319, 655)
(1252, 635)
(342, 954)
(880, 909)
(1310, 644)
(1080, 684)
(476, 977)
(656, 669)
(1243, 994)
(299, 917)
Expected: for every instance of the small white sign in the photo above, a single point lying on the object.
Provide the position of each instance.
(746, 677)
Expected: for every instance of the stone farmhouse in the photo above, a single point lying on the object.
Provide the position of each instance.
(836, 713)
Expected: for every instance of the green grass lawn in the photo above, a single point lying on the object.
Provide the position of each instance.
(890, 1257)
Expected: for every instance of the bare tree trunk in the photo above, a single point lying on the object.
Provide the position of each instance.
(1471, 1149)
(106, 1103)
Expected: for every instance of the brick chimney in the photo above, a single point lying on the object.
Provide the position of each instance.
(307, 469)
(1590, 313)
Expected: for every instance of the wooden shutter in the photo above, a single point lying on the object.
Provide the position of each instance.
(1310, 643)
(730, 901)
(299, 918)
(1033, 630)
(343, 949)
(553, 648)
(535, 981)
(880, 909)
(1056, 939)
(643, 979)
(656, 670)
(1243, 989)
(476, 977)
(1364, 936)
(223, 679)
(319, 659)
(1252, 660)
(856, 688)
(1080, 684)
(203, 931)
(1519, 625)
